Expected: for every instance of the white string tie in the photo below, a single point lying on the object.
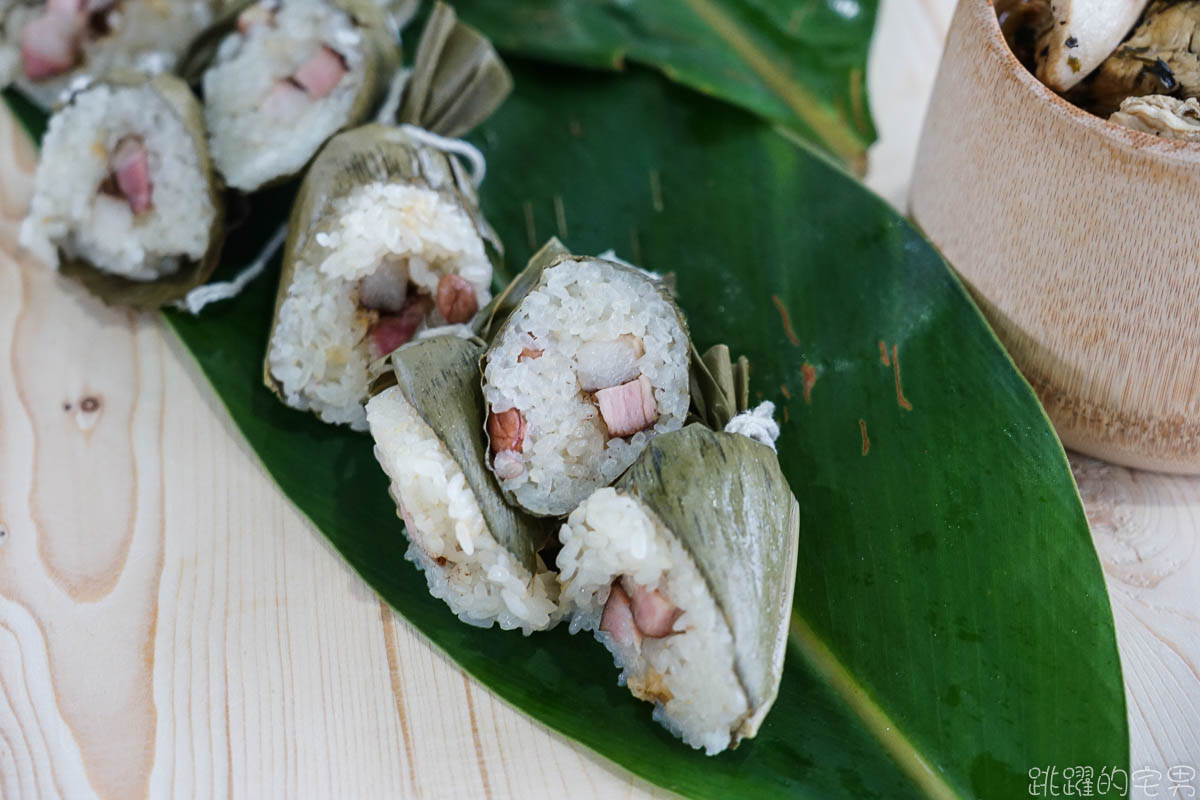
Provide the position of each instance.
(201, 296)
(455, 146)
(395, 92)
(758, 424)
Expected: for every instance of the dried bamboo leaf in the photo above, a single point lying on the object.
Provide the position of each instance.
(741, 384)
(720, 390)
(503, 303)
(720, 366)
(458, 79)
(726, 499)
(439, 377)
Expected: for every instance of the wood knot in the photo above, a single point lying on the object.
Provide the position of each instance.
(86, 411)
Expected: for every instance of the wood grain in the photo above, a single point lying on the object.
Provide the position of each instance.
(1145, 527)
(1097, 301)
(170, 626)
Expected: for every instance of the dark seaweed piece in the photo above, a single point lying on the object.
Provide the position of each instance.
(1164, 73)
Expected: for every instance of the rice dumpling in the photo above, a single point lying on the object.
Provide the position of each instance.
(685, 570)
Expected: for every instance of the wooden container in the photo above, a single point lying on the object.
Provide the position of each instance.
(1079, 239)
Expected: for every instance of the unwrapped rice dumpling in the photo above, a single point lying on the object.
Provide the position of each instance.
(45, 45)
(288, 75)
(385, 240)
(125, 199)
(588, 368)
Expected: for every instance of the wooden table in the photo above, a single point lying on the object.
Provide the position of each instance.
(170, 625)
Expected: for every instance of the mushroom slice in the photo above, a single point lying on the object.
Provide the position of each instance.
(1084, 33)
(1161, 115)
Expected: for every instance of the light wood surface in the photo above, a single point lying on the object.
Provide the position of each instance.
(1067, 230)
(170, 626)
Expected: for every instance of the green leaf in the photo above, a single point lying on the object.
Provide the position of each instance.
(951, 629)
(799, 64)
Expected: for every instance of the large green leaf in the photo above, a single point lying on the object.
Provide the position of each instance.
(951, 627)
(801, 64)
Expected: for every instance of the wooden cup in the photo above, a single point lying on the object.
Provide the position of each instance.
(1080, 241)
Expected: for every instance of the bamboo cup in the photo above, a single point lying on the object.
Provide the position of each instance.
(1080, 241)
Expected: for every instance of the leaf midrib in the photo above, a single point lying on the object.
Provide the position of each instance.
(831, 130)
(908, 758)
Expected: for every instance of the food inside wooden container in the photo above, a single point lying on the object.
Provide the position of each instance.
(1136, 65)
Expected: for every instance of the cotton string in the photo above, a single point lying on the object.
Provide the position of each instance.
(758, 424)
(455, 146)
(201, 296)
(391, 103)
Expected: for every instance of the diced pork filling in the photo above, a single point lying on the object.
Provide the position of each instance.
(628, 408)
(625, 397)
(386, 288)
(506, 430)
(508, 464)
(456, 299)
(617, 619)
(390, 331)
(396, 312)
(654, 614)
(312, 80)
(399, 307)
(634, 612)
(51, 43)
(320, 74)
(130, 166)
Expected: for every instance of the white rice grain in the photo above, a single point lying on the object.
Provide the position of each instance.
(567, 452)
(251, 147)
(319, 353)
(611, 535)
(68, 211)
(463, 563)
